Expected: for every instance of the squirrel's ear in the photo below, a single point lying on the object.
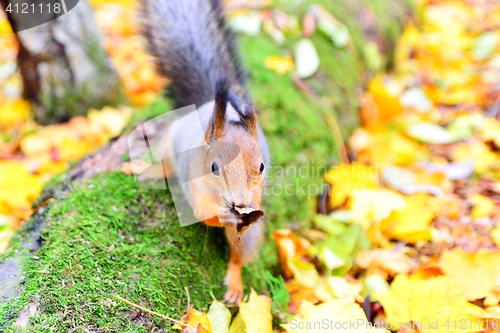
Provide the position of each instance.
(222, 87)
(251, 118)
(246, 112)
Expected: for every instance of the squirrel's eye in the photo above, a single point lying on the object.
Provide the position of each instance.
(261, 168)
(215, 169)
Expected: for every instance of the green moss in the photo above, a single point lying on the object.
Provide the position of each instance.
(107, 238)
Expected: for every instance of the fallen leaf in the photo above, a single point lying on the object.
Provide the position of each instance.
(482, 206)
(371, 55)
(306, 58)
(333, 316)
(256, 314)
(238, 325)
(289, 246)
(18, 189)
(484, 45)
(330, 26)
(490, 131)
(435, 304)
(477, 151)
(410, 223)
(379, 105)
(304, 272)
(346, 178)
(371, 206)
(247, 23)
(453, 171)
(298, 294)
(12, 112)
(196, 320)
(477, 273)
(385, 262)
(280, 65)
(109, 119)
(416, 98)
(495, 234)
(429, 133)
(219, 317)
(345, 289)
(373, 285)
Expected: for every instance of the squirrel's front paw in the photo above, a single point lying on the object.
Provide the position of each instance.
(228, 217)
(233, 296)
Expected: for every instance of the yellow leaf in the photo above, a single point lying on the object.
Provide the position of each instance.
(238, 325)
(280, 65)
(410, 224)
(476, 151)
(345, 289)
(256, 314)
(109, 119)
(13, 111)
(492, 312)
(219, 317)
(405, 149)
(495, 234)
(196, 320)
(483, 206)
(6, 230)
(379, 106)
(477, 273)
(333, 316)
(433, 178)
(370, 207)
(346, 178)
(18, 188)
(409, 39)
(437, 304)
(398, 149)
(490, 131)
(304, 272)
(289, 246)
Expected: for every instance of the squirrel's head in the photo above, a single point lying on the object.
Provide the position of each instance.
(234, 158)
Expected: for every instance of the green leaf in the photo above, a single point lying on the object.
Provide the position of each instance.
(330, 26)
(484, 45)
(430, 133)
(306, 58)
(304, 272)
(248, 23)
(372, 56)
(329, 225)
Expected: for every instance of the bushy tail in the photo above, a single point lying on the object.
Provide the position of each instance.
(192, 47)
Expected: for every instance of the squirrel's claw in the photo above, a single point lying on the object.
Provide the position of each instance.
(233, 297)
(228, 218)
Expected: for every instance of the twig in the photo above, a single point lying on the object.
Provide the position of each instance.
(150, 311)
(36, 209)
(189, 298)
(332, 123)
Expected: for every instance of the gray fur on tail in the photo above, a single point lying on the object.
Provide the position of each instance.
(192, 47)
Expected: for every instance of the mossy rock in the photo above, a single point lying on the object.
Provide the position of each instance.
(105, 236)
(109, 237)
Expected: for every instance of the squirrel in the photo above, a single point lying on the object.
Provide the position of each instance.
(194, 49)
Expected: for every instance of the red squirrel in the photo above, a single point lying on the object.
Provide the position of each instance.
(194, 49)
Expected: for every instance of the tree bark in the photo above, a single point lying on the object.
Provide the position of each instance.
(64, 67)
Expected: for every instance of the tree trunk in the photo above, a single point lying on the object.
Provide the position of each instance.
(64, 67)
